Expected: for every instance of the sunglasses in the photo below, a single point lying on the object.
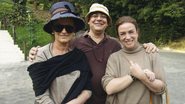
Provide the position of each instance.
(59, 28)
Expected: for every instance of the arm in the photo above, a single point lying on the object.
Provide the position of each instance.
(111, 81)
(156, 85)
(86, 93)
(118, 84)
(39, 57)
(82, 98)
(44, 98)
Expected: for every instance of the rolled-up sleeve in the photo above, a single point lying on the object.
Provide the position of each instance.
(110, 72)
(158, 69)
(44, 98)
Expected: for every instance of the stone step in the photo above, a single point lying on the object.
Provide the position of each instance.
(5, 37)
(9, 52)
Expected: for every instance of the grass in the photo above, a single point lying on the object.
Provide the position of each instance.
(177, 45)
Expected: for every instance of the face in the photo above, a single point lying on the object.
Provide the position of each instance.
(63, 30)
(98, 22)
(128, 35)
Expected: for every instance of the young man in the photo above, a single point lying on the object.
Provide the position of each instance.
(97, 46)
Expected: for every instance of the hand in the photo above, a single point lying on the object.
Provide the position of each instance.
(32, 53)
(82, 98)
(150, 75)
(74, 101)
(150, 47)
(135, 70)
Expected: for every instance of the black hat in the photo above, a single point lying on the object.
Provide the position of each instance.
(64, 10)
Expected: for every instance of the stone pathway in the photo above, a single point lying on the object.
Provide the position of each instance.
(174, 65)
(15, 84)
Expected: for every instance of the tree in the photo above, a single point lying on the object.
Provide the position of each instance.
(159, 20)
(21, 2)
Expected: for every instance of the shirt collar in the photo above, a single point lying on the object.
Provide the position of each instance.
(86, 35)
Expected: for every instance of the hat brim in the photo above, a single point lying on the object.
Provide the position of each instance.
(87, 17)
(78, 22)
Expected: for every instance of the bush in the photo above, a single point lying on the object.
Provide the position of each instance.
(31, 35)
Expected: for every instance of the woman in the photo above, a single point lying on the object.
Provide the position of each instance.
(61, 75)
(133, 76)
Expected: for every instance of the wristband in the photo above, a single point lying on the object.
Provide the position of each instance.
(133, 78)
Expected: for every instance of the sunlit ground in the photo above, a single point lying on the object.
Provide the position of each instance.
(177, 46)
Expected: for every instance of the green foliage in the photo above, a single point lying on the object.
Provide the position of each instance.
(12, 14)
(28, 30)
(170, 9)
(31, 35)
(19, 15)
(160, 21)
(5, 10)
(172, 16)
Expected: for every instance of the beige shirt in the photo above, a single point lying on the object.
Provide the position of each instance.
(137, 92)
(60, 86)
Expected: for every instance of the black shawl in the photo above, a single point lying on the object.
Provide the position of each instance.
(43, 73)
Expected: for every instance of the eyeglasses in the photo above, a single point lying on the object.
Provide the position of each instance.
(59, 28)
(97, 14)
